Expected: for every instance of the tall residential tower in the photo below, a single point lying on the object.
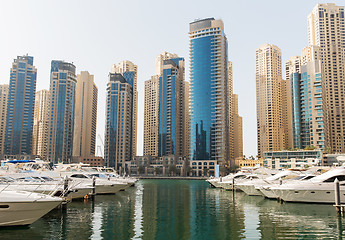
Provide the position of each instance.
(130, 72)
(84, 137)
(3, 111)
(209, 130)
(120, 110)
(40, 128)
(20, 106)
(271, 101)
(326, 29)
(61, 111)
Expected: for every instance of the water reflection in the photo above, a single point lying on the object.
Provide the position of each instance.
(163, 209)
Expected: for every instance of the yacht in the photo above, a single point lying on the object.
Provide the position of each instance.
(268, 193)
(319, 189)
(23, 208)
(251, 187)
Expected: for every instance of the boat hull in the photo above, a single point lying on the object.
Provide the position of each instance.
(24, 213)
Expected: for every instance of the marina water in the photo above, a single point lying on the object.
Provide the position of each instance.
(183, 209)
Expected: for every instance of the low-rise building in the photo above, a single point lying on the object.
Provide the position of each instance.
(203, 167)
(94, 161)
(151, 165)
(292, 159)
(248, 162)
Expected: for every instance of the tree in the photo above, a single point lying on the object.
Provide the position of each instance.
(172, 170)
(233, 168)
(141, 170)
(309, 147)
(328, 150)
(206, 170)
(158, 170)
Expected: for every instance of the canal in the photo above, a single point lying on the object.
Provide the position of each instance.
(183, 209)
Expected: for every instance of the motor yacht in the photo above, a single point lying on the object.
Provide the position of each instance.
(23, 208)
(268, 193)
(319, 189)
(251, 187)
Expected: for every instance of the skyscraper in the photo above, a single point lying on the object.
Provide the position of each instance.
(237, 130)
(3, 111)
(235, 121)
(304, 75)
(271, 100)
(209, 130)
(40, 127)
(130, 72)
(326, 29)
(61, 111)
(118, 130)
(151, 106)
(171, 108)
(85, 121)
(186, 140)
(20, 106)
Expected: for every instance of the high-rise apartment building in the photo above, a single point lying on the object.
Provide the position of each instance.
(40, 127)
(209, 99)
(237, 130)
(235, 121)
(130, 72)
(231, 113)
(61, 111)
(186, 140)
(20, 106)
(271, 100)
(160, 61)
(171, 108)
(119, 115)
(3, 111)
(85, 121)
(326, 29)
(304, 74)
(151, 106)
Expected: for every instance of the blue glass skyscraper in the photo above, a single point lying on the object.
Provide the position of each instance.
(306, 100)
(61, 111)
(171, 108)
(118, 129)
(209, 98)
(20, 106)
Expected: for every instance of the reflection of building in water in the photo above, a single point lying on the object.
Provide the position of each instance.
(149, 215)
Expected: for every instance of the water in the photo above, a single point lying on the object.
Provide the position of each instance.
(177, 209)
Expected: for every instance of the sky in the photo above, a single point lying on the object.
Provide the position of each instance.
(96, 34)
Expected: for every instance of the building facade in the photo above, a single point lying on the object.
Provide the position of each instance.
(61, 111)
(326, 29)
(209, 98)
(3, 110)
(118, 128)
(292, 159)
(85, 121)
(130, 72)
(151, 106)
(272, 116)
(237, 130)
(40, 127)
(186, 140)
(171, 108)
(20, 106)
(304, 74)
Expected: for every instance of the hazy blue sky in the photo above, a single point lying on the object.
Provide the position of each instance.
(96, 34)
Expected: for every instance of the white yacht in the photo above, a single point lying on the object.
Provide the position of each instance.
(319, 189)
(23, 208)
(102, 186)
(251, 187)
(268, 193)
